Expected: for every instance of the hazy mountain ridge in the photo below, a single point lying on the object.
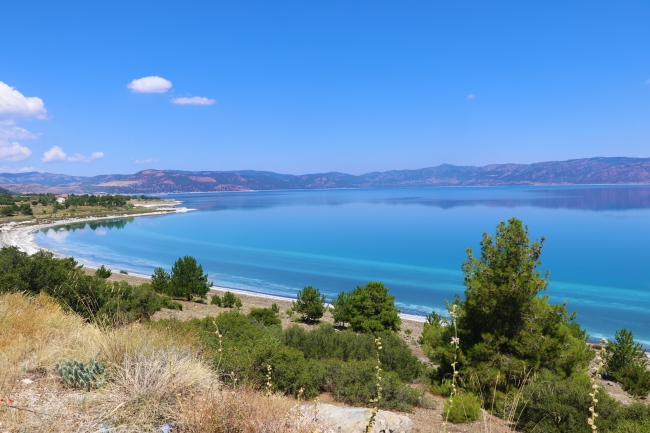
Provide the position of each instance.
(620, 170)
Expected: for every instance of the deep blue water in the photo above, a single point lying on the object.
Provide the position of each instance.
(413, 240)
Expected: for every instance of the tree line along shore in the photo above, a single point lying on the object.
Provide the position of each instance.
(35, 207)
(503, 353)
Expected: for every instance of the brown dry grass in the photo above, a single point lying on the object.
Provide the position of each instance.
(35, 333)
(244, 410)
(155, 377)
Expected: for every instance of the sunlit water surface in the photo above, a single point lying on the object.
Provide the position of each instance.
(413, 240)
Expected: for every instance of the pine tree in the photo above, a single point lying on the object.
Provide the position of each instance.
(187, 279)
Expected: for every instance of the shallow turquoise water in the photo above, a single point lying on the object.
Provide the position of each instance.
(414, 240)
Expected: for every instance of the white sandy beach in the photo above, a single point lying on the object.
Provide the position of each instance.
(21, 234)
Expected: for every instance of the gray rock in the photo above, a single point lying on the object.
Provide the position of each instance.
(344, 419)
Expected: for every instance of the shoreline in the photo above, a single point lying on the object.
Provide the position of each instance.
(21, 234)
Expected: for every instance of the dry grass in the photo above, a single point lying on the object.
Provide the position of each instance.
(35, 333)
(155, 377)
(245, 411)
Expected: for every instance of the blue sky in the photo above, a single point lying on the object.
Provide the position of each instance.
(317, 86)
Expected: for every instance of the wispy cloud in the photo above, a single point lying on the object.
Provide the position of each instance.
(194, 100)
(9, 131)
(57, 154)
(152, 84)
(471, 96)
(146, 161)
(648, 81)
(7, 169)
(81, 158)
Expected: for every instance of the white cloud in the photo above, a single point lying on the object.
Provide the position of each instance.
(57, 154)
(14, 105)
(471, 96)
(151, 84)
(9, 131)
(195, 100)
(146, 161)
(7, 169)
(81, 158)
(54, 154)
(13, 151)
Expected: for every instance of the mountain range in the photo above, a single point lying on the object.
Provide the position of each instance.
(618, 170)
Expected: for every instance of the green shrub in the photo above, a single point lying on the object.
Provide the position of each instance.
(290, 371)
(229, 300)
(124, 303)
(633, 418)
(554, 404)
(275, 308)
(82, 375)
(160, 281)
(368, 308)
(441, 388)
(265, 316)
(303, 359)
(216, 300)
(342, 308)
(623, 351)
(26, 209)
(354, 383)
(463, 407)
(102, 272)
(635, 379)
(326, 342)
(626, 362)
(632, 427)
(310, 304)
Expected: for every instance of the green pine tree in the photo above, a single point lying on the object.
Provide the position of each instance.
(188, 280)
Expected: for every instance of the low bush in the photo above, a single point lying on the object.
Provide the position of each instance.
(266, 316)
(354, 383)
(322, 359)
(102, 272)
(462, 408)
(216, 300)
(229, 300)
(124, 303)
(635, 379)
(557, 405)
(326, 342)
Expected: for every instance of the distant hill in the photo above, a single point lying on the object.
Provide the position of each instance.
(619, 170)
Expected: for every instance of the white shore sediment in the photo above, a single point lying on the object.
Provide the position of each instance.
(21, 235)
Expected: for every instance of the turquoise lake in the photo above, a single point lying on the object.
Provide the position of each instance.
(413, 240)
